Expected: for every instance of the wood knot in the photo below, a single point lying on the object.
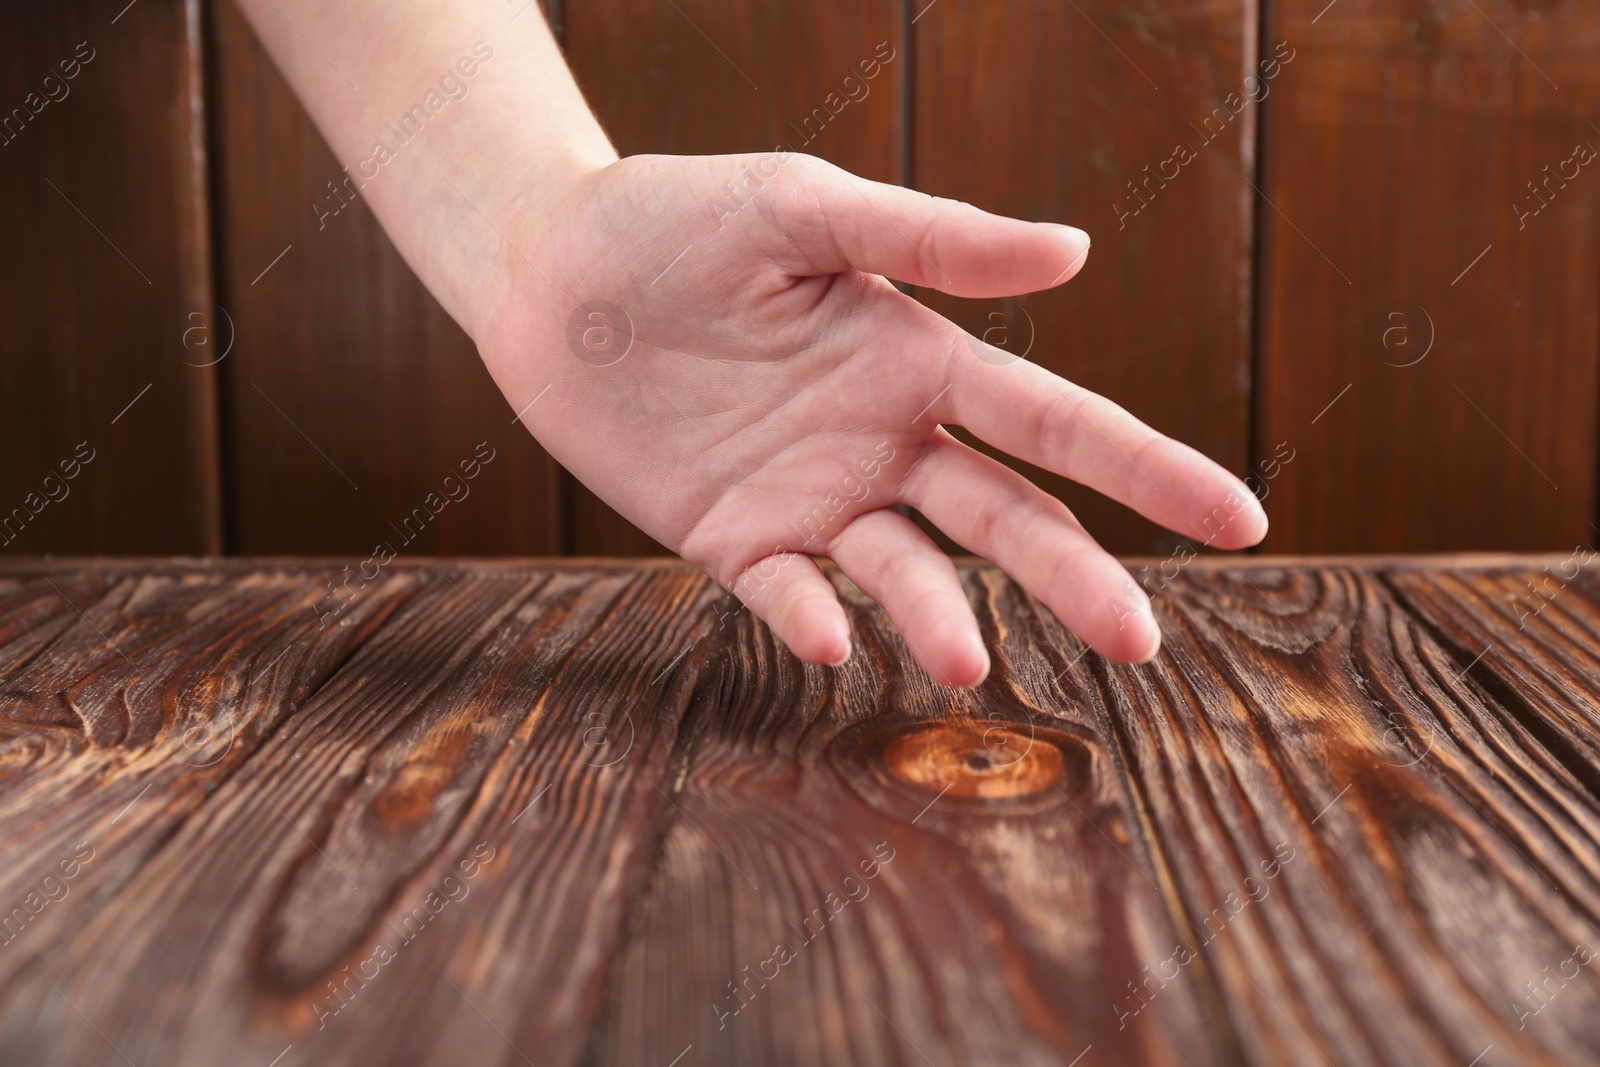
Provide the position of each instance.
(975, 759)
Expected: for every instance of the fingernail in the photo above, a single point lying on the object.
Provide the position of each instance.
(1260, 514)
(1077, 242)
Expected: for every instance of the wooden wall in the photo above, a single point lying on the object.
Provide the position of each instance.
(1354, 234)
(108, 438)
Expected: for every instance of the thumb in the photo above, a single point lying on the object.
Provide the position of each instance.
(835, 221)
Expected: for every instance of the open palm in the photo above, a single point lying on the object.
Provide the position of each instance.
(711, 345)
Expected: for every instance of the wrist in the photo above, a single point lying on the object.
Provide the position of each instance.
(493, 213)
(512, 141)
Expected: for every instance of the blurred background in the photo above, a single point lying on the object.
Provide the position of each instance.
(1347, 249)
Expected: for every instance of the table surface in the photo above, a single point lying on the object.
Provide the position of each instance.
(553, 812)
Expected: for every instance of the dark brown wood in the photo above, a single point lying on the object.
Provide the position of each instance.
(105, 282)
(1016, 899)
(1403, 143)
(351, 396)
(1073, 113)
(231, 749)
(1420, 789)
(706, 76)
(1349, 816)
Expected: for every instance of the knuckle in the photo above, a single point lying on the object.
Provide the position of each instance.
(1003, 528)
(1034, 516)
(900, 573)
(791, 201)
(1059, 429)
(799, 177)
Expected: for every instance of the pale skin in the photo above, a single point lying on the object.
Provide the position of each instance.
(768, 361)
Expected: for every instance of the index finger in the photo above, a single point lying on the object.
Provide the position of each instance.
(1037, 416)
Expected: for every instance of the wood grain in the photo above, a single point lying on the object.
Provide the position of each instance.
(1317, 711)
(709, 76)
(337, 801)
(1073, 113)
(589, 813)
(104, 270)
(1018, 895)
(351, 394)
(1454, 110)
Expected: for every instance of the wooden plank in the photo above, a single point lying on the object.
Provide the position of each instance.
(110, 438)
(1431, 815)
(441, 830)
(1404, 160)
(351, 395)
(1081, 113)
(871, 869)
(712, 76)
(129, 695)
(1349, 816)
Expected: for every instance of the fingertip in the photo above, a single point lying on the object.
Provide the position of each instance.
(1248, 523)
(968, 667)
(1234, 520)
(833, 637)
(984, 665)
(1137, 650)
(1153, 649)
(1137, 638)
(831, 650)
(819, 632)
(1256, 530)
(1075, 250)
(952, 651)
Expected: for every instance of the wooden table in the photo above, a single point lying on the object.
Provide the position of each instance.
(574, 812)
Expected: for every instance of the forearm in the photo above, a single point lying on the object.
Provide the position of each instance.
(450, 118)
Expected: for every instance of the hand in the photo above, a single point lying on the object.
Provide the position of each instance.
(715, 351)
